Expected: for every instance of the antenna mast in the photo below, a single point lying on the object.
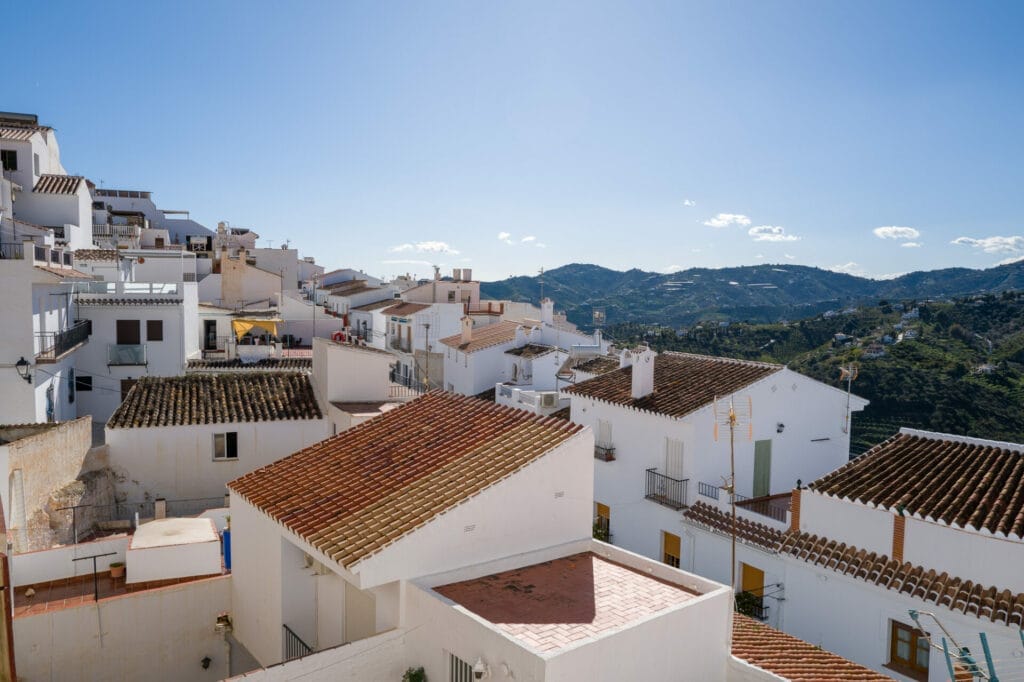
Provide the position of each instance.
(735, 417)
(849, 373)
(541, 273)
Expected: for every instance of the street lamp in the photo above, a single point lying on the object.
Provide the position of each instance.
(23, 367)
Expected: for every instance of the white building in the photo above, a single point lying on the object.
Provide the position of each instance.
(353, 382)
(662, 438)
(41, 334)
(183, 438)
(413, 333)
(139, 329)
(122, 215)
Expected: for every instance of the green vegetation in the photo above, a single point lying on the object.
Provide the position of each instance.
(958, 367)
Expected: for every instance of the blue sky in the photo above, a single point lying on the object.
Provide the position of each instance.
(876, 137)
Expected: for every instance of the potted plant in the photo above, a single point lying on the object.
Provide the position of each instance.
(415, 675)
(116, 569)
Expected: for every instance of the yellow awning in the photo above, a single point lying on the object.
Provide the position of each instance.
(242, 327)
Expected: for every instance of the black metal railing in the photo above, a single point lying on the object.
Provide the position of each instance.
(665, 490)
(294, 647)
(55, 256)
(707, 490)
(12, 251)
(605, 453)
(188, 277)
(764, 507)
(752, 604)
(40, 253)
(404, 386)
(67, 259)
(52, 345)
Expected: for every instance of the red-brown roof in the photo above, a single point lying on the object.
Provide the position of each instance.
(792, 658)
(351, 495)
(746, 530)
(484, 337)
(58, 184)
(368, 307)
(559, 603)
(683, 383)
(946, 478)
(598, 366)
(403, 309)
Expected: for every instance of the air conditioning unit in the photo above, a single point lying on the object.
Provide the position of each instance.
(548, 399)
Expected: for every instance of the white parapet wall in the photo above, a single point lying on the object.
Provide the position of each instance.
(173, 548)
(58, 563)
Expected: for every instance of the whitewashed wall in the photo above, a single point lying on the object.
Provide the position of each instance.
(57, 563)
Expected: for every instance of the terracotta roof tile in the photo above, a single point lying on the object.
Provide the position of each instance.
(64, 273)
(552, 605)
(945, 478)
(747, 531)
(217, 399)
(792, 658)
(954, 593)
(403, 309)
(598, 366)
(293, 364)
(351, 495)
(683, 383)
(96, 254)
(484, 337)
(386, 303)
(86, 300)
(531, 350)
(58, 184)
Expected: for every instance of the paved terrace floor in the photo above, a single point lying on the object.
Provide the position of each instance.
(70, 592)
(555, 604)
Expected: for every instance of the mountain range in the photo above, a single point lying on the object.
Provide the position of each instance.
(757, 293)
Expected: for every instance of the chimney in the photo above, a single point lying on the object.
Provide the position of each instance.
(520, 338)
(467, 274)
(547, 311)
(794, 509)
(625, 359)
(456, 274)
(437, 273)
(899, 530)
(467, 329)
(643, 372)
(597, 338)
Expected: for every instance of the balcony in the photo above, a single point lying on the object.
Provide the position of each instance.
(55, 345)
(773, 506)
(293, 645)
(123, 354)
(604, 452)
(116, 231)
(12, 251)
(751, 604)
(665, 490)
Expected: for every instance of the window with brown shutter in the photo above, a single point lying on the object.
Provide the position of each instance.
(129, 332)
(154, 330)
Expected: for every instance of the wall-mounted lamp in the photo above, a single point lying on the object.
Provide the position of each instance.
(780, 427)
(206, 662)
(23, 368)
(480, 670)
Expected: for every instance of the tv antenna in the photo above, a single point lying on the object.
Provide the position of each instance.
(598, 317)
(736, 415)
(541, 277)
(848, 373)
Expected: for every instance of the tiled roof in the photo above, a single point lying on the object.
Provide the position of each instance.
(564, 413)
(217, 399)
(682, 383)
(791, 658)
(265, 363)
(403, 309)
(531, 350)
(387, 302)
(64, 273)
(362, 348)
(354, 494)
(598, 366)
(96, 254)
(58, 184)
(124, 300)
(566, 601)
(747, 531)
(20, 133)
(936, 476)
(956, 594)
(484, 337)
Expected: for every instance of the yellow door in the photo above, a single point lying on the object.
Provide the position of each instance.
(752, 580)
(603, 522)
(670, 549)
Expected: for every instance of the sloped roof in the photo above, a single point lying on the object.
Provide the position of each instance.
(531, 350)
(87, 300)
(386, 303)
(484, 337)
(598, 366)
(792, 658)
(49, 183)
(263, 364)
(748, 531)
(96, 254)
(217, 399)
(352, 495)
(18, 133)
(404, 308)
(683, 383)
(958, 481)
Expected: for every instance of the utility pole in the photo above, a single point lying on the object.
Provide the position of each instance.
(427, 346)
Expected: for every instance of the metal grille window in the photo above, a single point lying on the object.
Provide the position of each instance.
(225, 446)
(458, 669)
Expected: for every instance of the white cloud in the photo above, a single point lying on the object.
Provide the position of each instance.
(424, 247)
(505, 237)
(993, 244)
(406, 262)
(1011, 259)
(530, 238)
(759, 256)
(689, 203)
(850, 268)
(911, 245)
(727, 219)
(771, 233)
(788, 256)
(673, 268)
(896, 232)
(541, 245)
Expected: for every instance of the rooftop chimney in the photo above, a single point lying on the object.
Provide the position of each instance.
(456, 274)
(547, 311)
(643, 372)
(467, 329)
(467, 274)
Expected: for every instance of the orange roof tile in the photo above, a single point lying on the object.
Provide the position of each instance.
(351, 495)
(403, 309)
(484, 337)
(683, 383)
(746, 530)
(792, 658)
(947, 478)
(556, 604)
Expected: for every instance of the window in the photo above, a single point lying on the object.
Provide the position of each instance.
(674, 458)
(602, 522)
(908, 650)
(459, 670)
(154, 330)
(670, 546)
(128, 332)
(35, 163)
(83, 383)
(451, 296)
(71, 384)
(9, 159)
(225, 446)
